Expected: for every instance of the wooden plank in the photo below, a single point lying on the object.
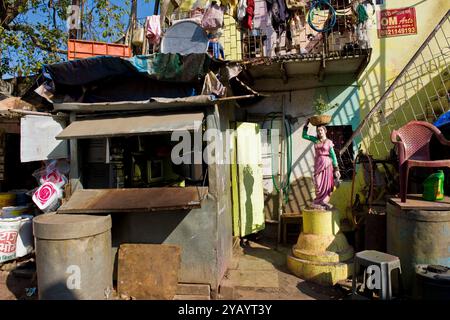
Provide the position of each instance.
(148, 271)
(134, 200)
(415, 202)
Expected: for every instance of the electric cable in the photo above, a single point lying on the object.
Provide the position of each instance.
(315, 4)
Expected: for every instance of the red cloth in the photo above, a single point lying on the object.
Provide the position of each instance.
(250, 13)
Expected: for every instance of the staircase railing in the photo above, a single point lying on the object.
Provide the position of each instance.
(427, 74)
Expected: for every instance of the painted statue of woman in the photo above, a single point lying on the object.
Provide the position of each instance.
(325, 164)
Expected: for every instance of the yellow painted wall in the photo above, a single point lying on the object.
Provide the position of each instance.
(231, 39)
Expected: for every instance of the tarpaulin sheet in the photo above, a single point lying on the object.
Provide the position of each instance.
(159, 66)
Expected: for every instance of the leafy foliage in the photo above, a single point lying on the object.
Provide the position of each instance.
(34, 32)
(321, 106)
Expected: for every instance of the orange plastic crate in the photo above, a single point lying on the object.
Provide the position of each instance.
(79, 49)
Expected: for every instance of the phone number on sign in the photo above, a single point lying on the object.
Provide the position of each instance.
(397, 31)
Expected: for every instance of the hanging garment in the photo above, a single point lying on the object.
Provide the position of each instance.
(295, 4)
(363, 23)
(250, 13)
(212, 85)
(213, 17)
(241, 10)
(279, 13)
(216, 49)
(153, 29)
(196, 15)
(261, 18)
(233, 4)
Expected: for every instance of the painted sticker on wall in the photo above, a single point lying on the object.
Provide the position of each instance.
(397, 22)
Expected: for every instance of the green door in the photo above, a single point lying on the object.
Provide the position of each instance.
(247, 180)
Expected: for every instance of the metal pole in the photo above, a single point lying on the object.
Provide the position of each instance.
(281, 194)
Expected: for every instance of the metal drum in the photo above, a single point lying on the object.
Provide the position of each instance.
(73, 256)
(184, 37)
(418, 237)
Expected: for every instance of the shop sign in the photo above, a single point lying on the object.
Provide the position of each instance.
(397, 22)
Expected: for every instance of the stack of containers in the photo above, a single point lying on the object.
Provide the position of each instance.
(16, 234)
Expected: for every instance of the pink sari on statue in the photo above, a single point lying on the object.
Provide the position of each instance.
(323, 172)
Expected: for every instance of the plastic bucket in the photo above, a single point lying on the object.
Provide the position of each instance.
(9, 231)
(25, 239)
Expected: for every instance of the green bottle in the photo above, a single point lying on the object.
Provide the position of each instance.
(433, 187)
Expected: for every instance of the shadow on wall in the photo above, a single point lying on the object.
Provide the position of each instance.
(427, 104)
(249, 182)
(300, 195)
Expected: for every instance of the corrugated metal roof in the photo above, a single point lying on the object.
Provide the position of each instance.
(154, 103)
(295, 65)
(126, 126)
(134, 200)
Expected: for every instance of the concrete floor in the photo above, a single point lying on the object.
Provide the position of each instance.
(259, 272)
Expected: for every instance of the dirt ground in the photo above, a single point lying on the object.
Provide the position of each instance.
(18, 280)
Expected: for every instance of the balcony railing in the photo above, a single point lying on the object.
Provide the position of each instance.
(297, 38)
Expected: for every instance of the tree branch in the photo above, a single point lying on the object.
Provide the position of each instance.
(10, 11)
(28, 30)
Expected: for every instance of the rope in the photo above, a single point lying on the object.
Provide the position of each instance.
(315, 4)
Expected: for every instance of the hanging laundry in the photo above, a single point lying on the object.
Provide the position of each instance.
(250, 13)
(295, 4)
(153, 29)
(261, 18)
(216, 49)
(196, 15)
(213, 17)
(363, 22)
(212, 85)
(241, 10)
(280, 14)
(233, 4)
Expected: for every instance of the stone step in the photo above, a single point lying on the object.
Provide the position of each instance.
(324, 256)
(323, 273)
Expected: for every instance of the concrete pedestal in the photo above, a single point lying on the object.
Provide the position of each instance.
(322, 253)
